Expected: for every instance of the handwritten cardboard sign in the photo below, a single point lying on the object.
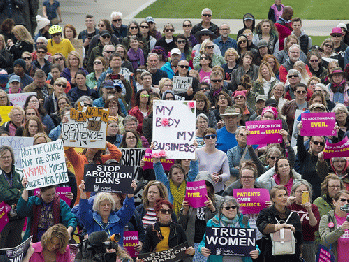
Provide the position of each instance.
(60, 191)
(196, 193)
(171, 255)
(17, 253)
(264, 132)
(4, 209)
(230, 241)
(251, 201)
(132, 157)
(4, 113)
(108, 178)
(20, 98)
(130, 240)
(86, 127)
(16, 143)
(340, 149)
(318, 124)
(324, 254)
(174, 126)
(148, 161)
(44, 165)
(181, 84)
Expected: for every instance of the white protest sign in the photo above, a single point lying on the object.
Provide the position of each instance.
(16, 143)
(181, 83)
(86, 128)
(44, 165)
(20, 98)
(174, 125)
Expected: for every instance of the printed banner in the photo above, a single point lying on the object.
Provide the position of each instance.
(174, 127)
(130, 240)
(86, 128)
(340, 149)
(324, 255)
(4, 113)
(4, 209)
(196, 193)
(251, 201)
(264, 132)
(181, 84)
(17, 253)
(20, 98)
(230, 241)
(16, 143)
(318, 124)
(44, 165)
(61, 191)
(171, 255)
(108, 178)
(148, 161)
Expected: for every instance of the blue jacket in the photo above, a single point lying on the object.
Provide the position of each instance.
(92, 221)
(223, 46)
(168, 69)
(100, 102)
(25, 209)
(55, 133)
(161, 176)
(214, 222)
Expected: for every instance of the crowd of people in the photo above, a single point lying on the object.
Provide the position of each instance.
(270, 71)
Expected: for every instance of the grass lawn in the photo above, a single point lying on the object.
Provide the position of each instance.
(235, 9)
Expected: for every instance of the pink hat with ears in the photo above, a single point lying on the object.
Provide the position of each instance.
(336, 30)
(240, 93)
(270, 109)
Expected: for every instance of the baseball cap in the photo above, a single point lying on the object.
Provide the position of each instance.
(104, 33)
(150, 19)
(262, 43)
(108, 84)
(14, 78)
(261, 97)
(176, 51)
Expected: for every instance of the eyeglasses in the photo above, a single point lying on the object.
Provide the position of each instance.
(213, 136)
(318, 143)
(204, 58)
(34, 101)
(184, 66)
(58, 34)
(337, 35)
(131, 137)
(231, 207)
(166, 211)
(117, 20)
(41, 52)
(210, 46)
(169, 30)
(109, 52)
(97, 62)
(133, 27)
(181, 41)
(59, 58)
(207, 15)
(144, 95)
(105, 36)
(216, 80)
(39, 43)
(144, 26)
(314, 61)
(27, 58)
(242, 41)
(290, 76)
(239, 97)
(62, 85)
(6, 157)
(242, 134)
(344, 200)
(247, 177)
(301, 92)
(327, 45)
(3, 97)
(186, 25)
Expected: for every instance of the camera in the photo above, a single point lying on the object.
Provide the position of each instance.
(346, 210)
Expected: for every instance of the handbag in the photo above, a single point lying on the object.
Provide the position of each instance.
(283, 241)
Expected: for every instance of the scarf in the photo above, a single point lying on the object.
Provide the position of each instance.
(230, 222)
(338, 87)
(178, 194)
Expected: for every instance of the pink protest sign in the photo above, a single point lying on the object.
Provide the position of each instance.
(148, 161)
(196, 194)
(340, 149)
(264, 132)
(318, 124)
(252, 200)
(130, 240)
(61, 191)
(4, 209)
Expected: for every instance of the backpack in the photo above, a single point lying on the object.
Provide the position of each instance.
(283, 241)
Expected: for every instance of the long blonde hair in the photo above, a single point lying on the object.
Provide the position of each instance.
(23, 34)
(260, 77)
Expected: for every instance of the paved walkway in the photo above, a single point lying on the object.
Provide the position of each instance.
(74, 11)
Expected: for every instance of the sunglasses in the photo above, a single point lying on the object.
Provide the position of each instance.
(106, 36)
(292, 76)
(59, 58)
(273, 157)
(301, 92)
(314, 61)
(207, 15)
(186, 25)
(231, 207)
(318, 143)
(169, 30)
(109, 52)
(97, 62)
(58, 34)
(184, 66)
(41, 52)
(216, 80)
(144, 26)
(117, 20)
(166, 211)
(239, 97)
(242, 41)
(181, 41)
(213, 136)
(344, 200)
(133, 27)
(210, 46)
(327, 45)
(204, 58)
(62, 85)
(27, 58)
(85, 104)
(144, 95)
(337, 35)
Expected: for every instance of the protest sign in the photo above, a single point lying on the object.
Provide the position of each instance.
(60, 191)
(4, 209)
(17, 253)
(174, 127)
(340, 149)
(171, 255)
(230, 241)
(44, 165)
(130, 240)
(264, 132)
(132, 157)
(86, 128)
(4, 113)
(181, 84)
(196, 193)
(16, 143)
(148, 161)
(108, 178)
(318, 124)
(251, 201)
(324, 254)
(20, 98)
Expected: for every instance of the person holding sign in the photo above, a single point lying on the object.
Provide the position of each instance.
(103, 216)
(16, 120)
(10, 191)
(276, 219)
(228, 216)
(43, 211)
(309, 214)
(334, 227)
